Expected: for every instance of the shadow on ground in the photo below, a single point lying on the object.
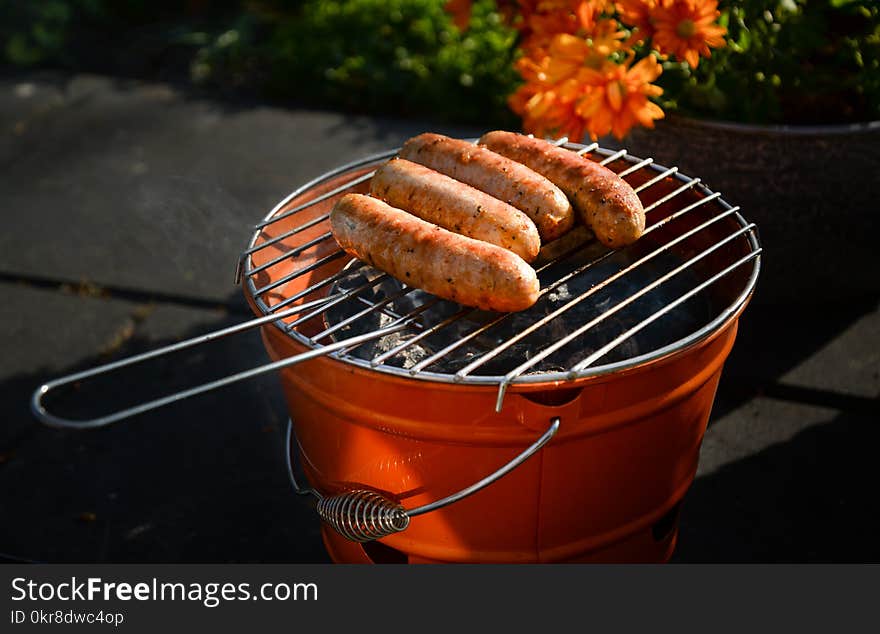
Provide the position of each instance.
(773, 339)
(202, 480)
(812, 499)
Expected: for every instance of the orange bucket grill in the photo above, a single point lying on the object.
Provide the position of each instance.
(617, 467)
(606, 488)
(435, 433)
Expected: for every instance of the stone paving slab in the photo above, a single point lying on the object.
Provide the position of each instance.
(781, 481)
(142, 186)
(203, 480)
(786, 469)
(848, 364)
(830, 346)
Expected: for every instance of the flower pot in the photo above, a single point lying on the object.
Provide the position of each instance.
(813, 191)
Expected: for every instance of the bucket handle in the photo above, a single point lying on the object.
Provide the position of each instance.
(47, 418)
(361, 515)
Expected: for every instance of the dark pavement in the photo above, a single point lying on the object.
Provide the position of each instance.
(125, 207)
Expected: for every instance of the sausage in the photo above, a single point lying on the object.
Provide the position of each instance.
(604, 201)
(420, 254)
(444, 201)
(507, 180)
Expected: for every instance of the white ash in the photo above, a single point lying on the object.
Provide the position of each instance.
(559, 294)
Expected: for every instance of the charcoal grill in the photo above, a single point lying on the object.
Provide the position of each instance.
(408, 401)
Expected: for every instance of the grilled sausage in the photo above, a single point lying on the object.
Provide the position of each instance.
(444, 201)
(507, 180)
(420, 254)
(604, 201)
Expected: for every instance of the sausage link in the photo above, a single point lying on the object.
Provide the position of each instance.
(444, 201)
(604, 201)
(420, 254)
(507, 180)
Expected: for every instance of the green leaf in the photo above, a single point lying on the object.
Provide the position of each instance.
(22, 53)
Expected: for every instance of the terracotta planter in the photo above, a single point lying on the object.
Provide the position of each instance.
(813, 191)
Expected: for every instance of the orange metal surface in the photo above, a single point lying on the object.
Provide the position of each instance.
(624, 456)
(606, 488)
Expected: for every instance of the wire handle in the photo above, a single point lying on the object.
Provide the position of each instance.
(362, 515)
(44, 416)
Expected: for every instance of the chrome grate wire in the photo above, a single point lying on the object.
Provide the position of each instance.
(650, 175)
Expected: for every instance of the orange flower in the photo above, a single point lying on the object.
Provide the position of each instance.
(509, 9)
(606, 37)
(546, 102)
(618, 98)
(539, 28)
(573, 88)
(547, 113)
(687, 29)
(543, 19)
(637, 14)
(460, 11)
(588, 11)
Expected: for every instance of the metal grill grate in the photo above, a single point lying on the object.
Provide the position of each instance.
(680, 210)
(305, 291)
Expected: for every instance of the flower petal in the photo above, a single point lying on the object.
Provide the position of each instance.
(615, 93)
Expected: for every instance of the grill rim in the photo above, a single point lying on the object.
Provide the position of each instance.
(725, 316)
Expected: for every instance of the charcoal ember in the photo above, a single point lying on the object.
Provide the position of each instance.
(508, 360)
(578, 288)
(452, 364)
(406, 358)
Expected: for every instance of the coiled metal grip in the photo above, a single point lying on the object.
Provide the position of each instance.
(362, 516)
